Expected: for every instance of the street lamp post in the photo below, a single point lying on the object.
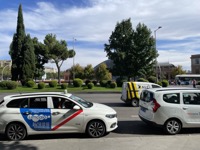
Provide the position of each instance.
(156, 50)
(3, 71)
(74, 58)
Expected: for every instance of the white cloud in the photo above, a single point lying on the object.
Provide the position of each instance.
(95, 23)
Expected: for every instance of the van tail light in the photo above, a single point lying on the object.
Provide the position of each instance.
(156, 105)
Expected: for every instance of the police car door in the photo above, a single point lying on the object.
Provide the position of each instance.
(36, 113)
(191, 108)
(64, 117)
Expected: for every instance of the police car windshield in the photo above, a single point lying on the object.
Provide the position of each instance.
(81, 101)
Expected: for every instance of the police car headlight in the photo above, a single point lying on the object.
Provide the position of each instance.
(111, 115)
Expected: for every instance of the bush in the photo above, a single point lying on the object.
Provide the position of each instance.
(3, 84)
(30, 84)
(142, 80)
(90, 85)
(11, 85)
(41, 85)
(94, 82)
(87, 81)
(159, 83)
(103, 83)
(53, 83)
(120, 81)
(165, 83)
(113, 85)
(77, 82)
(152, 79)
(64, 86)
(109, 82)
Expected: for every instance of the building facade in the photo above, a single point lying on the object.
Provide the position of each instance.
(50, 70)
(164, 70)
(195, 64)
(4, 63)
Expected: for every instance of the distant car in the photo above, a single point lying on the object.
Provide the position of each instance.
(131, 91)
(171, 108)
(53, 112)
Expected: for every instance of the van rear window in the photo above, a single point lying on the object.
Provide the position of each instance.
(146, 96)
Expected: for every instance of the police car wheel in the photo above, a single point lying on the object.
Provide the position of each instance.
(135, 103)
(96, 129)
(15, 132)
(172, 126)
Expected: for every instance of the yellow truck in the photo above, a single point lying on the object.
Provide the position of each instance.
(131, 91)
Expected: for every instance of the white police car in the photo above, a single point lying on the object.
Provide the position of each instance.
(171, 108)
(53, 112)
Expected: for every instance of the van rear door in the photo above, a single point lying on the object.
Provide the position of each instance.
(124, 91)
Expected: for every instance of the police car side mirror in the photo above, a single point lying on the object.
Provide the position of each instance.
(76, 107)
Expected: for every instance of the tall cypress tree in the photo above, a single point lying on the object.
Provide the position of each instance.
(28, 56)
(16, 47)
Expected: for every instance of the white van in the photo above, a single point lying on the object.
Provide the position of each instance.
(131, 91)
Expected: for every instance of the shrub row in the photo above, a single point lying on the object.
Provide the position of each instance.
(41, 85)
(8, 85)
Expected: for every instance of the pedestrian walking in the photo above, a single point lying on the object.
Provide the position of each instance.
(194, 83)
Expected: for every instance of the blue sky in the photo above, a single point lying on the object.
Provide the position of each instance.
(91, 22)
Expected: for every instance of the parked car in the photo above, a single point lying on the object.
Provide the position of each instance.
(171, 108)
(53, 112)
(131, 91)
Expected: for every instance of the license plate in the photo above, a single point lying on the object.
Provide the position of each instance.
(143, 109)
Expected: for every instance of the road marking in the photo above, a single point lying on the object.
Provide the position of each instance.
(134, 116)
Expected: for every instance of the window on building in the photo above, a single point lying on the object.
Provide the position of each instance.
(196, 60)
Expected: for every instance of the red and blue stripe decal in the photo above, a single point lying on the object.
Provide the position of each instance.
(67, 119)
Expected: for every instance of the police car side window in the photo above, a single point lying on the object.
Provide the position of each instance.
(38, 102)
(155, 86)
(14, 103)
(17, 103)
(173, 98)
(191, 98)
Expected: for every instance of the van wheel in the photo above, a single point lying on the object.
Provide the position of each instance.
(172, 126)
(135, 102)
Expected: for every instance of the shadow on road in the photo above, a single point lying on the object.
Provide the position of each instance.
(122, 104)
(16, 146)
(139, 127)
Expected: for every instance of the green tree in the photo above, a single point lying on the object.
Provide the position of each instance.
(57, 51)
(178, 70)
(89, 72)
(16, 47)
(133, 52)
(41, 57)
(78, 71)
(28, 56)
(102, 73)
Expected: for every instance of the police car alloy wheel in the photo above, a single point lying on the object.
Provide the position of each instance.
(96, 129)
(172, 126)
(16, 131)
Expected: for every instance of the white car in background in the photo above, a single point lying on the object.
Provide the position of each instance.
(53, 112)
(171, 108)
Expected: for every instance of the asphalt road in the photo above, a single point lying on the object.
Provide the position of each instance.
(129, 127)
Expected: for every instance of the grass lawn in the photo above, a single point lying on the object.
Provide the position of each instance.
(58, 89)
